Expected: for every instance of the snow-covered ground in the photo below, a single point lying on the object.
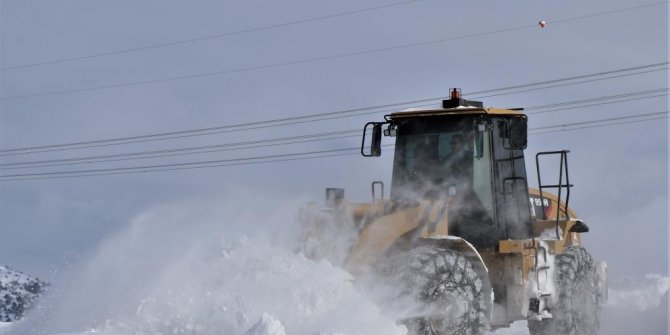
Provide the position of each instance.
(217, 268)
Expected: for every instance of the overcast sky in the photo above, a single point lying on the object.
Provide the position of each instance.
(338, 62)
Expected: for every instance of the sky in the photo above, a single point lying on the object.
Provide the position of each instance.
(75, 71)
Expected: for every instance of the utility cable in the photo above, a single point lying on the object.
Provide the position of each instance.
(317, 59)
(257, 67)
(616, 96)
(189, 168)
(581, 123)
(587, 16)
(357, 152)
(572, 83)
(149, 167)
(271, 158)
(599, 125)
(204, 38)
(597, 104)
(288, 120)
(590, 75)
(291, 140)
(268, 27)
(178, 152)
(32, 151)
(99, 144)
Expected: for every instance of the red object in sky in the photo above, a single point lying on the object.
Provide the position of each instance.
(542, 23)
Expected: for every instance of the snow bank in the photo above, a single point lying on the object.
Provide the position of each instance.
(209, 267)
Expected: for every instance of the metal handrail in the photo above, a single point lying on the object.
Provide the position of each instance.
(560, 185)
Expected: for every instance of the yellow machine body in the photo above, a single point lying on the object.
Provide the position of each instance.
(357, 236)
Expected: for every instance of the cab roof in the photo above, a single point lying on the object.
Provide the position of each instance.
(455, 111)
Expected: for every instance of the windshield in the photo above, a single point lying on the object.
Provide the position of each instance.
(447, 158)
(434, 160)
(433, 157)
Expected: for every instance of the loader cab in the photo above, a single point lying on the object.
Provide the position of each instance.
(471, 158)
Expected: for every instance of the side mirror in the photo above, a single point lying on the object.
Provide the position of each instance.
(376, 142)
(518, 133)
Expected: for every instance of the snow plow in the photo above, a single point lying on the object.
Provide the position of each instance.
(462, 242)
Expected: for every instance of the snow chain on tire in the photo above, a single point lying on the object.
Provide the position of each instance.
(576, 311)
(453, 292)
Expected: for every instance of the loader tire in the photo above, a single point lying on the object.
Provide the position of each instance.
(576, 311)
(452, 295)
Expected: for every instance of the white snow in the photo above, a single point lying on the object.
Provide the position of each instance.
(225, 268)
(516, 328)
(640, 294)
(550, 234)
(17, 292)
(8, 276)
(267, 325)
(4, 325)
(207, 268)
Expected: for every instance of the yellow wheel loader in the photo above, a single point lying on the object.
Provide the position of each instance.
(463, 244)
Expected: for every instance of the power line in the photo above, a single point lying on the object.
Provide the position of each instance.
(286, 140)
(194, 167)
(599, 125)
(598, 104)
(209, 37)
(609, 97)
(606, 13)
(296, 158)
(257, 67)
(125, 141)
(292, 156)
(297, 119)
(567, 125)
(262, 28)
(183, 151)
(584, 76)
(31, 151)
(572, 83)
(316, 59)
(187, 164)
(597, 101)
(177, 154)
(268, 27)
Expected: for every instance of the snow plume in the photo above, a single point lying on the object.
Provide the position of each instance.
(641, 294)
(210, 267)
(637, 305)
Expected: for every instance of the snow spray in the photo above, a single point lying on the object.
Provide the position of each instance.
(216, 266)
